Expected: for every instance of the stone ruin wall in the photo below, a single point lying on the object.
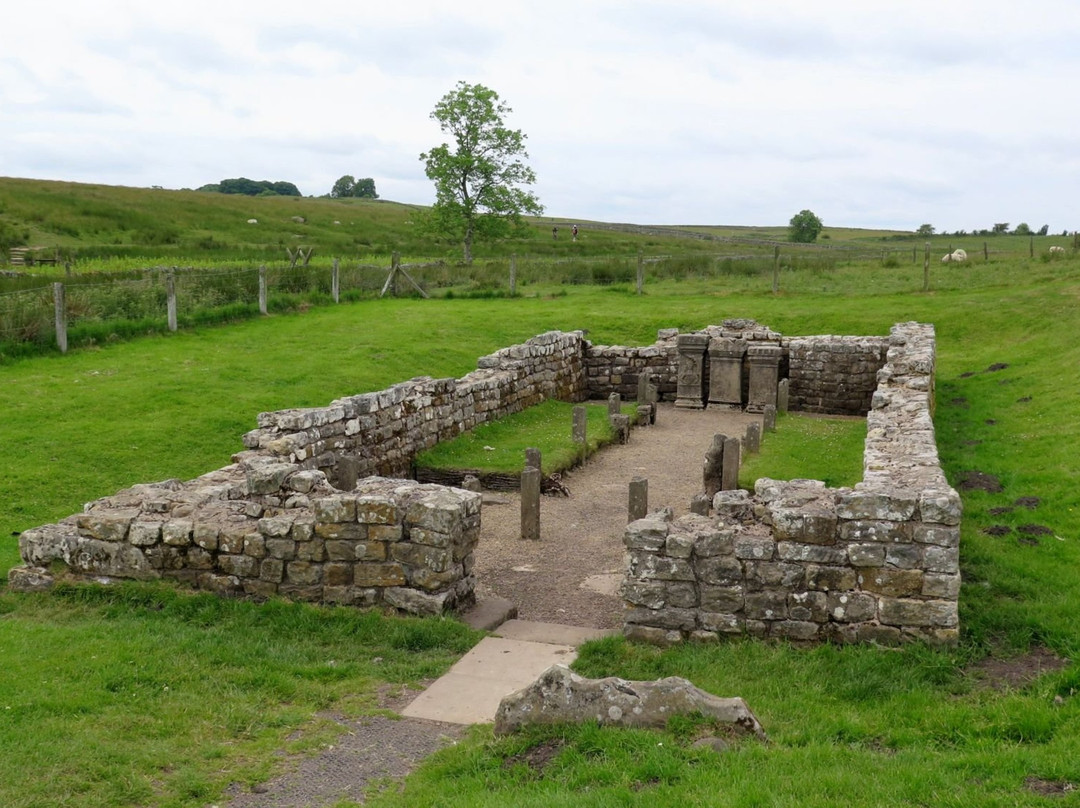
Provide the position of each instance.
(279, 520)
(798, 561)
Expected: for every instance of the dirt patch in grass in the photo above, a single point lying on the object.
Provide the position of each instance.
(994, 368)
(1034, 530)
(1000, 510)
(997, 530)
(537, 757)
(1031, 503)
(1015, 673)
(960, 402)
(979, 481)
(1049, 788)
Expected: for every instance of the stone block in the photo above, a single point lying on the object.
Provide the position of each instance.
(348, 531)
(255, 545)
(944, 586)
(314, 550)
(106, 525)
(713, 543)
(940, 507)
(275, 527)
(796, 630)
(942, 559)
(808, 607)
(648, 534)
(664, 638)
(941, 535)
(259, 589)
(376, 510)
(668, 618)
(868, 530)
(29, 579)
(893, 505)
(239, 566)
(231, 538)
(267, 477)
(334, 509)
(303, 573)
(433, 538)
(392, 533)
(895, 583)
(812, 553)
(337, 574)
(768, 605)
(679, 545)
(144, 534)
(721, 623)
(309, 593)
(910, 612)
(830, 579)
(418, 555)
(282, 549)
(715, 570)
(272, 570)
(205, 535)
(199, 559)
(421, 603)
(866, 555)
(375, 574)
(806, 525)
(904, 556)
(756, 548)
(851, 607)
(341, 550)
(722, 599)
(773, 574)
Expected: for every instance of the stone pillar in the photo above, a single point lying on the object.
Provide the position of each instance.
(638, 506)
(726, 372)
(764, 376)
(578, 432)
(732, 456)
(643, 388)
(644, 415)
(532, 458)
(614, 404)
(753, 438)
(530, 503)
(770, 417)
(60, 315)
(690, 392)
(713, 473)
(782, 395)
(621, 424)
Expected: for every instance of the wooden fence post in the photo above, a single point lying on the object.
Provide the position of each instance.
(262, 289)
(986, 252)
(776, 270)
(170, 295)
(60, 310)
(640, 270)
(335, 283)
(1031, 247)
(926, 269)
(513, 274)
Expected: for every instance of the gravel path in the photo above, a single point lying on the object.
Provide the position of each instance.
(570, 576)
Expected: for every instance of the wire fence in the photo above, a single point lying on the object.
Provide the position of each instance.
(97, 307)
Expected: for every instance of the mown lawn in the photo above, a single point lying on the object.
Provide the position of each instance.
(849, 726)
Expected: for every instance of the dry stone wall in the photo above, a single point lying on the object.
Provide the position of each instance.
(802, 562)
(836, 375)
(262, 528)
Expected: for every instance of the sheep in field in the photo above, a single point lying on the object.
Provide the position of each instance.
(955, 255)
(1056, 250)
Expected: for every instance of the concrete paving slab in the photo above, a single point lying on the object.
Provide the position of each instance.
(555, 633)
(489, 614)
(472, 689)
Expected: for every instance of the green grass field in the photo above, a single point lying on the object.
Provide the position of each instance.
(143, 696)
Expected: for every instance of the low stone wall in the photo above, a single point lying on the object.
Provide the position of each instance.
(615, 368)
(263, 529)
(835, 375)
(382, 432)
(799, 561)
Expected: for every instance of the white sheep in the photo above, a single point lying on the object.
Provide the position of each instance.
(1056, 250)
(253, 221)
(955, 255)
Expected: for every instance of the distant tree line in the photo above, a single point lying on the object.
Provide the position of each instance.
(350, 186)
(999, 229)
(246, 187)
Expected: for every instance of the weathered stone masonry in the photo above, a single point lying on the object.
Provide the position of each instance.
(300, 513)
(799, 561)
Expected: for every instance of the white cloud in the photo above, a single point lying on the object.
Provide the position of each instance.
(873, 114)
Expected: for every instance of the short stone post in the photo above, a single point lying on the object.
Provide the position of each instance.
(764, 376)
(732, 457)
(530, 503)
(335, 283)
(782, 388)
(726, 372)
(513, 274)
(60, 315)
(621, 424)
(752, 441)
(532, 458)
(579, 430)
(262, 290)
(712, 475)
(639, 499)
(614, 405)
(640, 271)
(700, 504)
(644, 414)
(776, 270)
(690, 393)
(643, 388)
(170, 297)
(926, 268)
(770, 418)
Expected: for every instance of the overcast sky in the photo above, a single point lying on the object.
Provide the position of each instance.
(871, 113)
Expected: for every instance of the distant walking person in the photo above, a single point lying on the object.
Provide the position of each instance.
(574, 232)
(555, 232)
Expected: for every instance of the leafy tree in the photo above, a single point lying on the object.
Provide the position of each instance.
(1022, 229)
(1043, 230)
(350, 186)
(1001, 227)
(246, 187)
(477, 179)
(804, 227)
(925, 230)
